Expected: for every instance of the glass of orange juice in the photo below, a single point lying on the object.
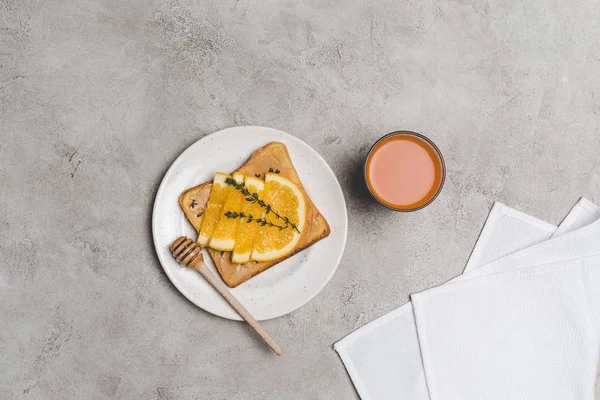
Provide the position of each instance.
(405, 171)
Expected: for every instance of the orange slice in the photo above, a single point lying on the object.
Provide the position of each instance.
(248, 228)
(223, 237)
(287, 201)
(214, 207)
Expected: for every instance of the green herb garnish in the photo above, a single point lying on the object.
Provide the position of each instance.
(199, 215)
(253, 198)
(194, 204)
(249, 218)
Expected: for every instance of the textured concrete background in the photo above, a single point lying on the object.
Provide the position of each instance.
(97, 98)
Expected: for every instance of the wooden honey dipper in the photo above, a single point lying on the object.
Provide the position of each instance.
(189, 254)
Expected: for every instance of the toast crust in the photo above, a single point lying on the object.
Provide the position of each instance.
(274, 155)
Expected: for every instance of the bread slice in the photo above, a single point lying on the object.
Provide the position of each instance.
(273, 156)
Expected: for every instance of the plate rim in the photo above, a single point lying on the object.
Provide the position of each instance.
(162, 188)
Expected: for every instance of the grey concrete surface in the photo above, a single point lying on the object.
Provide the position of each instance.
(97, 98)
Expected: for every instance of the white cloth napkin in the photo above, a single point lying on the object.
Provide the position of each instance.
(517, 331)
(522, 334)
(507, 230)
(383, 358)
(583, 213)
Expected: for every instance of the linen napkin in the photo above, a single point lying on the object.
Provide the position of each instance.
(522, 334)
(583, 213)
(517, 331)
(383, 358)
(507, 230)
(583, 242)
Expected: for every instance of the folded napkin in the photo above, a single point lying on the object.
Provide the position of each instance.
(515, 330)
(383, 358)
(507, 230)
(583, 242)
(583, 213)
(522, 334)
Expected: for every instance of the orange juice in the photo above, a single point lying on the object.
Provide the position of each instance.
(404, 171)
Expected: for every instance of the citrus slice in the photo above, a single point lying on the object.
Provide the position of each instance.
(223, 237)
(286, 201)
(247, 226)
(216, 200)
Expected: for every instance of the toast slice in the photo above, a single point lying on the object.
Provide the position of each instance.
(273, 156)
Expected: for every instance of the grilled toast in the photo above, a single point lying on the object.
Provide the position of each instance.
(272, 156)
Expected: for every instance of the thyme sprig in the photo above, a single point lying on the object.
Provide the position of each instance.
(253, 198)
(249, 218)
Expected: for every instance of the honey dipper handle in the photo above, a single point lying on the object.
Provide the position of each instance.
(224, 291)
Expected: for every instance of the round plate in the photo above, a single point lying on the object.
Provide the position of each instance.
(282, 288)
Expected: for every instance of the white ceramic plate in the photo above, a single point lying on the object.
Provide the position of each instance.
(282, 288)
